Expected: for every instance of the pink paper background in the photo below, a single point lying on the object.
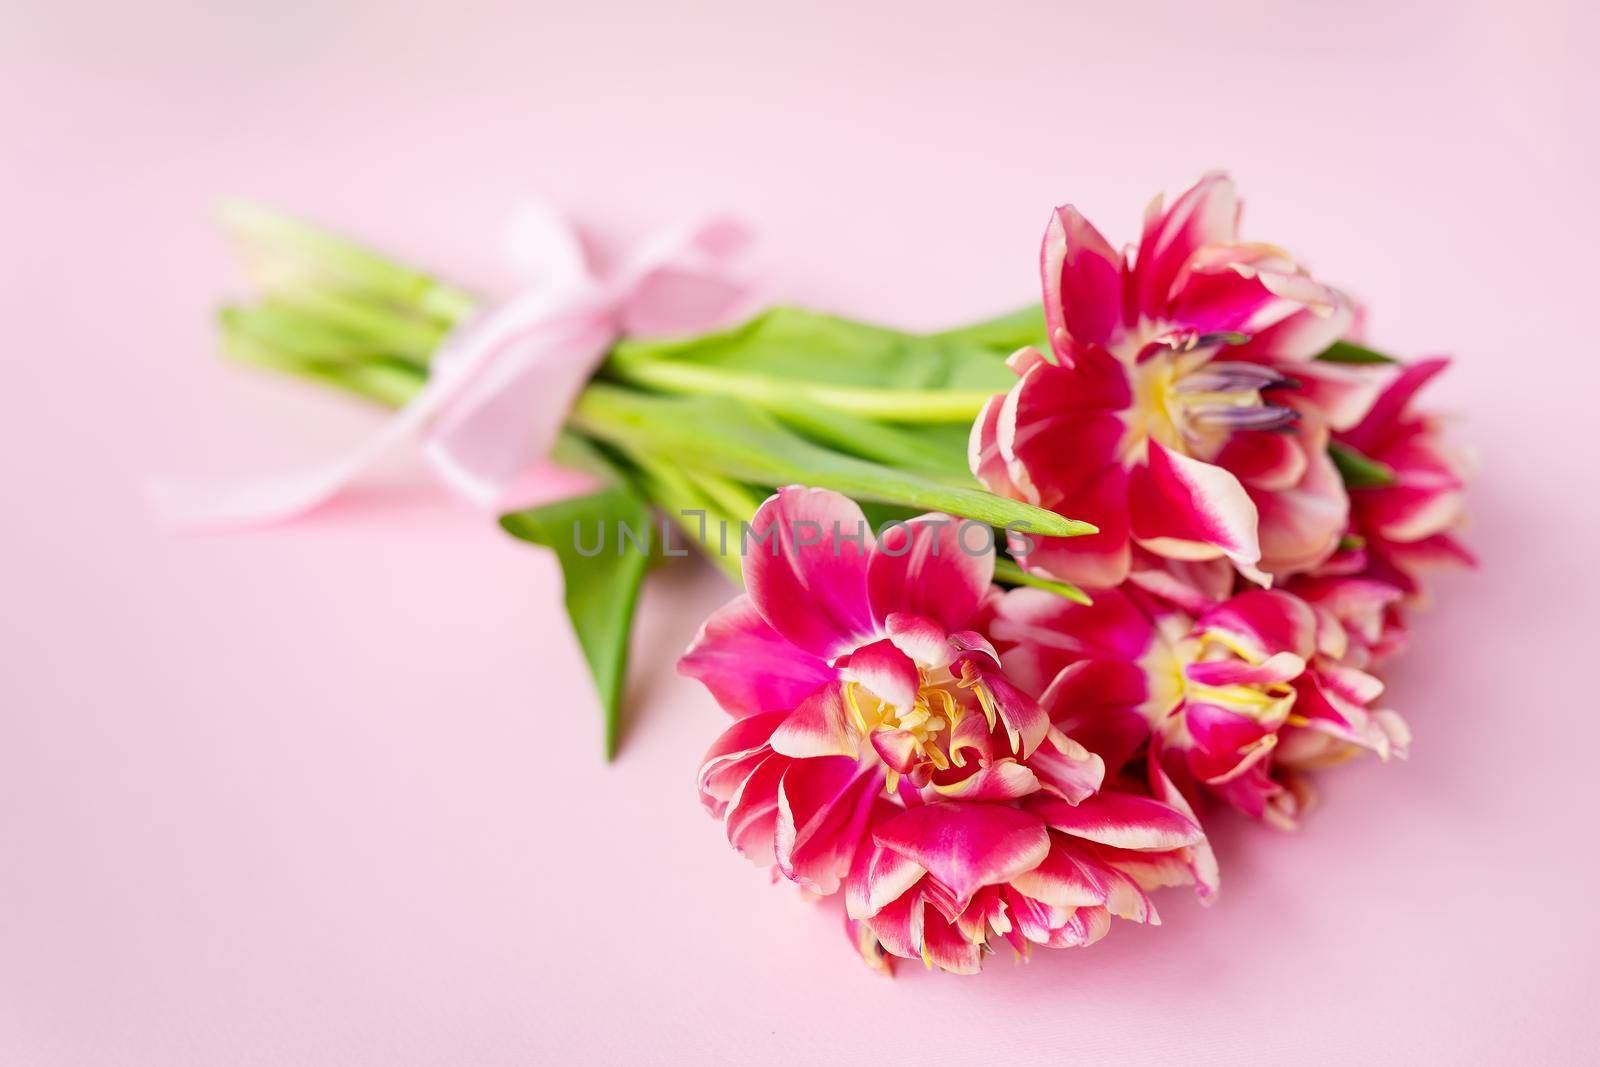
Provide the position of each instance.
(333, 794)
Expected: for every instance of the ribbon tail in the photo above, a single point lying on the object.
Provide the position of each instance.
(499, 393)
(231, 504)
(501, 386)
(496, 436)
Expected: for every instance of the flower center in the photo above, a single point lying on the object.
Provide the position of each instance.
(1190, 403)
(1265, 702)
(1179, 669)
(921, 734)
(928, 721)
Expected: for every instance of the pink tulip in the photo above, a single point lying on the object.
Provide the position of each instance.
(1179, 408)
(871, 721)
(1398, 531)
(1407, 528)
(1239, 700)
(947, 882)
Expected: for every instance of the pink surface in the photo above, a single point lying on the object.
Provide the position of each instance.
(333, 794)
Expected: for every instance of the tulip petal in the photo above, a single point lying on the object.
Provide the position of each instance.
(889, 876)
(967, 846)
(806, 569)
(1035, 920)
(986, 912)
(1068, 768)
(885, 670)
(1094, 561)
(1343, 392)
(1187, 509)
(1231, 288)
(972, 738)
(1300, 526)
(866, 943)
(1277, 668)
(822, 815)
(1121, 820)
(897, 749)
(1151, 870)
(820, 726)
(922, 639)
(983, 451)
(751, 818)
(1191, 585)
(1061, 881)
(1108, 706)
(747, 665)
(1263, 459)
(1082, 279)
(944, 947)
(1226, 744)
(1391, 407)
(1301, 336)
(899, 926)
(935, 566)
(1126, 900)
(745, 738)
(1083, 928)
(1116, 626)
(1025, 721)
(1201, 859)
(1000, 781)
(1206, 214)
(1260, 622)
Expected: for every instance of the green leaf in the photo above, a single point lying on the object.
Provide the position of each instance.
(1350, 352)
(699, 507)
(602, 589)
(1007, 572)
(748, 445)
(1359, 471)
(792, 344)
(917, 448)
(784, 395)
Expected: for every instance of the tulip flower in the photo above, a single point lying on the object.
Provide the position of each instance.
(1238, 702)
(1178, 408)
(868, 717)
(851, 672)
(947, 882)
(1404, 522)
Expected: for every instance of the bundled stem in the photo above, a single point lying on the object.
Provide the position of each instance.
(701, 429)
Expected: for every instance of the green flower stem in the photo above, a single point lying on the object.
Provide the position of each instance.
(384, 381)
(736, 500)
(676, 494)
(779, 394)
(1007, 572)
(895, 446)
(285, 247)
(376, 325)
(748, 446)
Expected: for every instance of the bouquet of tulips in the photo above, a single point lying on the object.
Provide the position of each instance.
(1022, 601)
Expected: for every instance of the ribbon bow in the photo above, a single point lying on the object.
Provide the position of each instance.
(502, 383)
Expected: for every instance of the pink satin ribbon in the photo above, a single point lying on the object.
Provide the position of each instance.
(502, 383)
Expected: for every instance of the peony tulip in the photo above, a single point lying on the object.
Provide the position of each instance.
(1179, 407)
(1405, 527)
(1238, 701)
(870, 718)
